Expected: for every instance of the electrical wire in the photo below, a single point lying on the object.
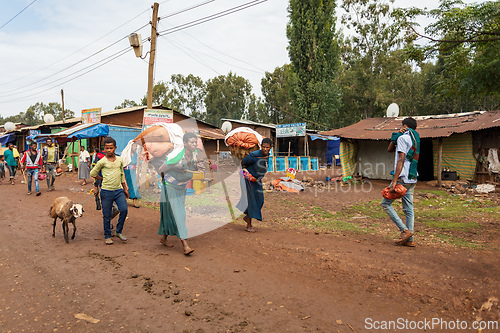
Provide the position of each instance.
(76, 51)
(186, 9)
(224, 54)
(17, 14)
(208, 55)
(118, 54)
(189, 55)
(6, 92)
(211, 17)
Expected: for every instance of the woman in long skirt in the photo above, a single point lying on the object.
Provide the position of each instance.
(84, 165)
(252, 195)
(131, 176)
(173, 195)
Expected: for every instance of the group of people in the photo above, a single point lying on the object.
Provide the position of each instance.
(111, 183)
(32, 163)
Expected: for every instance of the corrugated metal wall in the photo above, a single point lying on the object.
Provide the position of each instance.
(457, 155)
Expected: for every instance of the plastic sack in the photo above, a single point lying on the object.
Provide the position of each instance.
(399, 189)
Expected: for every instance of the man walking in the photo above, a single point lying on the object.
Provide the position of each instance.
(11, 162)
(406, 144)
(32, 162)
(50, 156)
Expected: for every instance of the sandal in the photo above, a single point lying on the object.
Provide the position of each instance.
(188, 252)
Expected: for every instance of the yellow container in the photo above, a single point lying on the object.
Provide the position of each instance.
(199, 185)
(291, 175)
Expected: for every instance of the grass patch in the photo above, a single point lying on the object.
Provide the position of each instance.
(457, 241)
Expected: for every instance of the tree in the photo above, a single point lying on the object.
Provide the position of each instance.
(276, 88)
(187, 94)
(375, 71)
(34, 114)
(227, 96)
(160, 94)
(466, 40)
(126, 104)
(314, 55)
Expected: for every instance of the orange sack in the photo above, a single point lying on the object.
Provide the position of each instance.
(400, 192)
(158, 149)
(154, 134)
(242, 140)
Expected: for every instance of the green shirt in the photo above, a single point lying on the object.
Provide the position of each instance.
(112, 173)
(9, 158)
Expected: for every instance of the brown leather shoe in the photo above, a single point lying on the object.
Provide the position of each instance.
(409, 243)
(404, 236)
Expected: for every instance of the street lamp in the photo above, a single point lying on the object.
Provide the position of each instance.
(136, 42)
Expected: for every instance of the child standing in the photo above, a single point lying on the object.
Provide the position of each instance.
(114, 189)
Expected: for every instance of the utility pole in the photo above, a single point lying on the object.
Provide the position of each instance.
(62, 97)
(152, 54)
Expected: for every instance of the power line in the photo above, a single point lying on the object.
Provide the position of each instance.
(186, 9)
(6, 92)
(189, 55)
(118, 54)
(17, 14)
(211, 17)
(208, 55)
(77, 50)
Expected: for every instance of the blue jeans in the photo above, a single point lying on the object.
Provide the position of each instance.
(107, 198)
(33, 173)
(50, 170)
(407, 209)
(12, 171)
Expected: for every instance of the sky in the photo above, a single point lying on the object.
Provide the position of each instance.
(52, 45)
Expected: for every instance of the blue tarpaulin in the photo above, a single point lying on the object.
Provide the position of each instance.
(123, 135)
(91, 132)
(333, 147)
(4, 139)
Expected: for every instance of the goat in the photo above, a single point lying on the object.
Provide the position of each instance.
(67, 211)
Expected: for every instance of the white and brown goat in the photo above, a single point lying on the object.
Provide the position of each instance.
(67, 211)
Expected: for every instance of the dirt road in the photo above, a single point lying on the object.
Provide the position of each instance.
(276, 280)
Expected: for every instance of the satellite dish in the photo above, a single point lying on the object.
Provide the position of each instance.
(48, 118)
(226, 127)
(392, 110)
(9, 126)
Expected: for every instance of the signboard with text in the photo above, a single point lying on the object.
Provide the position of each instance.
(156, 116)
(290, 130)
(91, 116)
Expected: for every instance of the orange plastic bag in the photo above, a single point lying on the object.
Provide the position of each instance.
(400, 192)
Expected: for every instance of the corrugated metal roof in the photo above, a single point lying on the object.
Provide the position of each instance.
(249, 122)
(437, 126)
(211, 133)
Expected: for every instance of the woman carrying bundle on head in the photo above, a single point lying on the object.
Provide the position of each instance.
(175, 176)
(252, 195)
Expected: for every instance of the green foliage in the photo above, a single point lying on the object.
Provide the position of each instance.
(34, 114)
(187, 94)
(466, 41)
(276, 88)
(314, 53)
(375, 73)
(126, 104)
(227, 96)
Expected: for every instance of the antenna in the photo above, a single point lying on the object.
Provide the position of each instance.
(392, 110)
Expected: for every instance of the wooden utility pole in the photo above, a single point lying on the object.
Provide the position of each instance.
(152, 53)
(62, 97)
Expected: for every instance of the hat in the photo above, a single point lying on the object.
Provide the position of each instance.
(399, 189)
